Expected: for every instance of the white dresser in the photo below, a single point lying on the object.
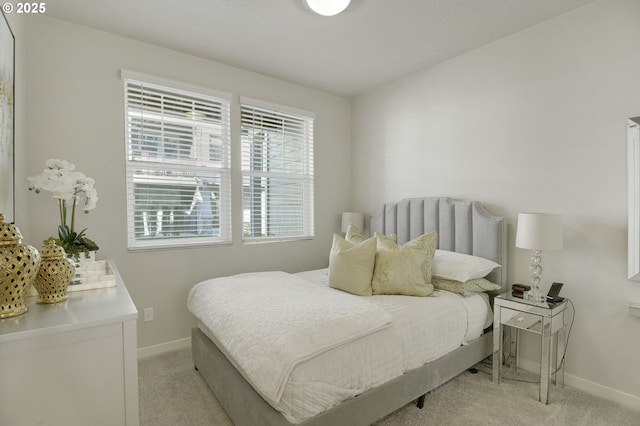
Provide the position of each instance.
(73, 362)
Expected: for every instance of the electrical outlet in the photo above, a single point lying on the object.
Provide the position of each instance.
(148, 314)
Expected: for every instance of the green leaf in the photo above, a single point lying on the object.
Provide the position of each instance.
(73, 243)
(63, 232)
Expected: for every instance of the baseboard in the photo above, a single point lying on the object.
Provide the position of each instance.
(164, 347)
(625, 399)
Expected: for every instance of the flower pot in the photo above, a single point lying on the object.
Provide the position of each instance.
(19, 265)
(56, 270)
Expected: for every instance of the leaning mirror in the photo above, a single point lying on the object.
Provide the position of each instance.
(633, 186)
(7, 195)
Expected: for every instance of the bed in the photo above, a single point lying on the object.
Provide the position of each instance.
(462, 227)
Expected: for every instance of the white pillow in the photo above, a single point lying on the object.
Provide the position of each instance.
(351, 265)
(461, 267)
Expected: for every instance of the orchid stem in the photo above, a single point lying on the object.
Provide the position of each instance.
(73, 209)
(63, 215)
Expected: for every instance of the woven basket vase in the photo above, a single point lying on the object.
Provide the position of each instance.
(56, 270)
(19, 265)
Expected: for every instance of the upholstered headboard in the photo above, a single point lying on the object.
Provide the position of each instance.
(462, 226)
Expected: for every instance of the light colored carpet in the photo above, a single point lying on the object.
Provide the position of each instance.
(173, 393)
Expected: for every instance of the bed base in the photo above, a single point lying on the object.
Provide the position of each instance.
(246, 407)
(462, 226)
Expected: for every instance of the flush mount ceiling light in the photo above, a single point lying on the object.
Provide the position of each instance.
(328, 7)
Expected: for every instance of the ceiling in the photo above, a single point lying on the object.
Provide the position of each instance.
(371, 43)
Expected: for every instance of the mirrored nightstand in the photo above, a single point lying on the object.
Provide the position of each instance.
(545, 319)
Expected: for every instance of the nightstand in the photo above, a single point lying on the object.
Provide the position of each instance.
(545, 319)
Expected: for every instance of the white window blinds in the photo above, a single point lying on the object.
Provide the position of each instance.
(277, 172)
(178, 165)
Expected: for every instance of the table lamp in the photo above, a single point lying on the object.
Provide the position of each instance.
(537, 232)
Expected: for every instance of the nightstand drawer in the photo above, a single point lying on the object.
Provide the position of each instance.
(521, 320)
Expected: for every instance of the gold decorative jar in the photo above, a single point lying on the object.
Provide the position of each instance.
(54, 275)
(19, 265)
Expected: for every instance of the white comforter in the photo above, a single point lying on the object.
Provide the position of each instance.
(422, 329)
(297, 320)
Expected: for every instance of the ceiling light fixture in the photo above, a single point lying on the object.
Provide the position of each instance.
(328, 7)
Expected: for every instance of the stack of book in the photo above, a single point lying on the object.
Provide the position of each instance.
(518, 290)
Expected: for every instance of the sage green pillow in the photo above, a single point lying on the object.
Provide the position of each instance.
(354, 235)
(404, 269)
(351, 265)
(467, 288)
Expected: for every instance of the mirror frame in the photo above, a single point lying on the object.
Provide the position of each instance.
(7, 122)
(633, 197)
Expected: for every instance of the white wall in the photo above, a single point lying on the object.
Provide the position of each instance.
(532, 122)
(75, 112)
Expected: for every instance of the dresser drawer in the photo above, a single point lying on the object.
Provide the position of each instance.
(522, 320)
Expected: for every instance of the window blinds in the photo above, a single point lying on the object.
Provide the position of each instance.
(277, 172)
(178, 166)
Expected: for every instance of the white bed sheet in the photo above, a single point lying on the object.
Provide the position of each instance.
(423, 329)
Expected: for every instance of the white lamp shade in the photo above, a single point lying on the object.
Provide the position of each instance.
(539, 231)
(328, 7)
(352, 218)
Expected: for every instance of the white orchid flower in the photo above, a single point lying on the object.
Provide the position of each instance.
(56, 164)
(68, 186)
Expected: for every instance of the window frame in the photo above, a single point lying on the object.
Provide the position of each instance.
(224, 171)
(307, 180)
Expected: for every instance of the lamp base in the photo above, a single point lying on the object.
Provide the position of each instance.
(534, 295)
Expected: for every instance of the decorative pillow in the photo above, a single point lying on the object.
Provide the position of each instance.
(467, 288)
(351, 265)
(461, 267)
(354, 236)
(404, 269)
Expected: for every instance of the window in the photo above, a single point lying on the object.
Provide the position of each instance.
(178, 164)
(277, 172)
